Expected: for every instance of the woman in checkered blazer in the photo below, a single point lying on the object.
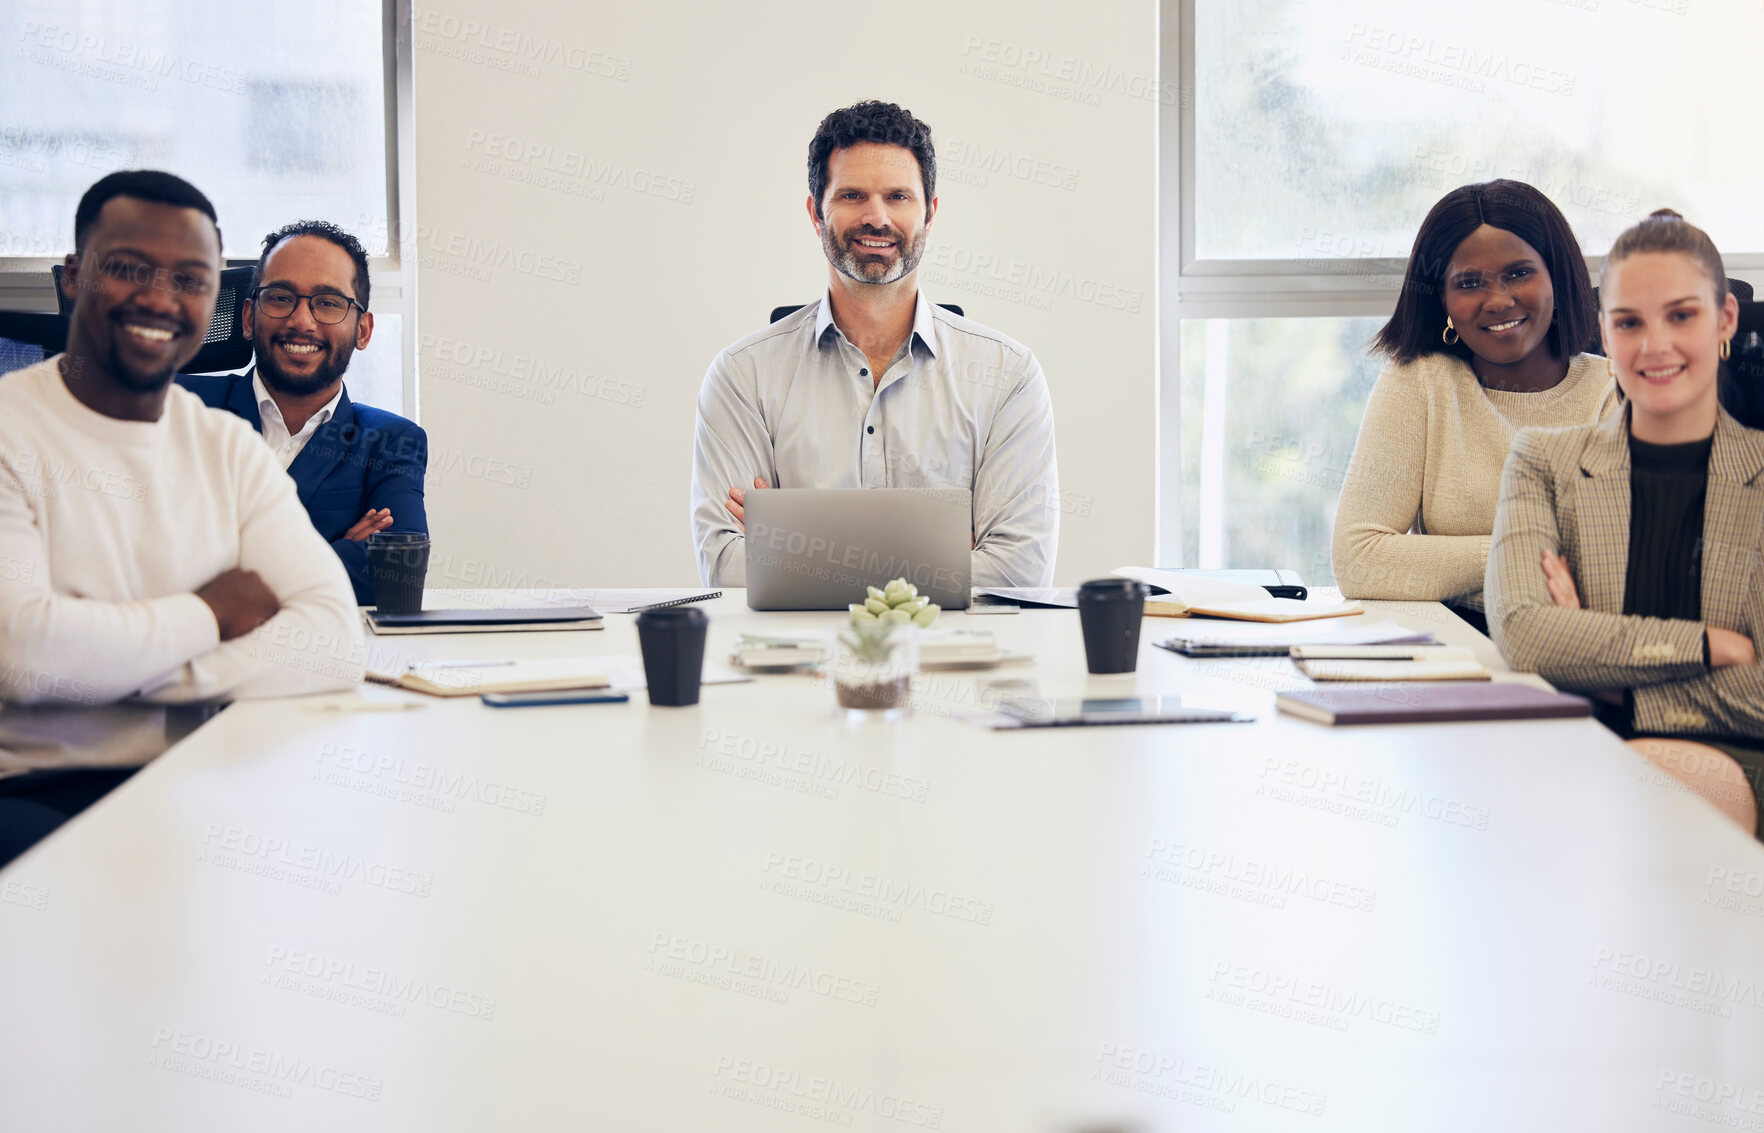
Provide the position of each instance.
(1625, 561)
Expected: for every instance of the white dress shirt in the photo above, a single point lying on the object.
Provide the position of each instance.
(275, 428)
(960, 406)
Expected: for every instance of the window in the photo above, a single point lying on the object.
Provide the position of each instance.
(1270, 408)
(211, 90)
(1310, 140)
(1327, 130)
(277, 113)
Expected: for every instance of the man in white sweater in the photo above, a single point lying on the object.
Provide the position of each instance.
(151, 549)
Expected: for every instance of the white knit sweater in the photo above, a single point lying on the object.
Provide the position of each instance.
(108, 527)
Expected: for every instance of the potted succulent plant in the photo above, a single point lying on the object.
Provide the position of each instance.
(874, 663)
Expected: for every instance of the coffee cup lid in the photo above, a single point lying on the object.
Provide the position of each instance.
(1106, 588)
(674, 616)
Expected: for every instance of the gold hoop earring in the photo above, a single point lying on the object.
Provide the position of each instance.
(1449, 335)
(1725, 349)
(1610, 370)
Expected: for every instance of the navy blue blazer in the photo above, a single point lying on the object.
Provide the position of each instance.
(362, 458)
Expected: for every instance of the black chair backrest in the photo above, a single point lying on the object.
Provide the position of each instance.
(1751, 321)
(28, 337)
(780, 312)
(224, 348)
(1742, 379)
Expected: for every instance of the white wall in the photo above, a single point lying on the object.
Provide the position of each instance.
(711, 109)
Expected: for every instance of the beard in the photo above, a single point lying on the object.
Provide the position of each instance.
(852, 260)
(330, 369)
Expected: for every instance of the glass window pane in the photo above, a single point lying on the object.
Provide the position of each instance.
(277, 112)
(1327, 128)
(1270, 410)
(376, 374)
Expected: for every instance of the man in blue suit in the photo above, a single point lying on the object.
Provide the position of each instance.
(357, 469)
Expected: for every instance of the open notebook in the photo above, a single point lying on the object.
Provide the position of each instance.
(1185, 594)
(553, 674)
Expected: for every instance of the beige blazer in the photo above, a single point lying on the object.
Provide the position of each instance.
(1567, 490)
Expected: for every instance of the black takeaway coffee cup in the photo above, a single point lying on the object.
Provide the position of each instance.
(398, 562)
(673, 654)
(1110, 610)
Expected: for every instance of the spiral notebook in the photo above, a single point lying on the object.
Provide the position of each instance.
(703, 596)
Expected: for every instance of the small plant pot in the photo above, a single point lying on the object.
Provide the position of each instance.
(878, 697)
(872, 670)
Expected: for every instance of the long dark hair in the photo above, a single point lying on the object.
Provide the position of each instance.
(1740, 385)
(1416, 325)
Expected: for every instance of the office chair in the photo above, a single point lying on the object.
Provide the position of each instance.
(28, 337)
(224, 348)
(1742, 375)
(780, 312)
(1751, 321)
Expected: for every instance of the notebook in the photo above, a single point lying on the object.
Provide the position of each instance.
(1430, 703)
(684, 600)
(1438, 663)
(963, 649)
(777, 653)
(484, 621)
(1190, 594)
(553, 674)
(1436, 670)
(938, 649)
(637, 601)
(1255, 639)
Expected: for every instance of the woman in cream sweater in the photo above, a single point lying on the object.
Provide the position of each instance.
(1485, 341)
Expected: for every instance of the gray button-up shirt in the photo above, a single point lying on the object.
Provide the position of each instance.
(960, 406)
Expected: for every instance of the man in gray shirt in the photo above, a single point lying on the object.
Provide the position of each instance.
(874, 386)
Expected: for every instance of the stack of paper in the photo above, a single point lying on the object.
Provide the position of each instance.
(1187, 594)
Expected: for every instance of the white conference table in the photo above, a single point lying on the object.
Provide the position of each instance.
(755, 914)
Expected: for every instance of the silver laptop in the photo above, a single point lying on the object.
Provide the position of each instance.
(817, 549)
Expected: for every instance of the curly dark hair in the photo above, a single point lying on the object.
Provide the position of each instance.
(870, 121)
(324, 230)
(1415, 326)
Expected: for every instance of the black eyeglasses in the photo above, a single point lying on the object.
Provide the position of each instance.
(327, 306)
